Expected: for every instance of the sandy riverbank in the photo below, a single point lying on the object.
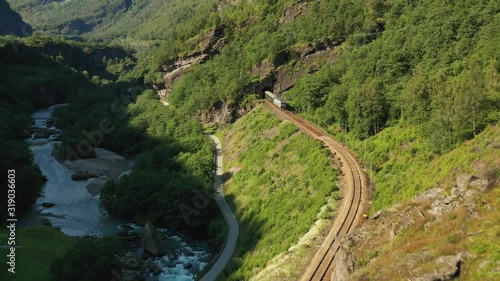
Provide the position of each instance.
(107, 165)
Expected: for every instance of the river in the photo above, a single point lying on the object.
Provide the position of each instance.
(77, 213)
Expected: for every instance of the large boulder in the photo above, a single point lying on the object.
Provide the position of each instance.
(80, 176)
(95, 186)
(48, 205)
(151, 242)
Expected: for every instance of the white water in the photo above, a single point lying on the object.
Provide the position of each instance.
(77, 212)
(173, 269)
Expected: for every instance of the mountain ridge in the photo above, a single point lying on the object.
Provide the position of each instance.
(11, 22)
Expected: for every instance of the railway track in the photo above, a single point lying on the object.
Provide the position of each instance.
(351, 211)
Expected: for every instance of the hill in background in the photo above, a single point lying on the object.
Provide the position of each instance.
(11, 22)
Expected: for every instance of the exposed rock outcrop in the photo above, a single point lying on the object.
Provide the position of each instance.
(95, 186)
(179, 67)
(345, 268)
(311, 59)
(437, 212)
(294, 11)
(481, 183)
(50, 93)
(221, 114)
(209, 44)
(447, 268)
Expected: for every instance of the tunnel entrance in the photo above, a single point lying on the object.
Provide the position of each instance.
(263, 92)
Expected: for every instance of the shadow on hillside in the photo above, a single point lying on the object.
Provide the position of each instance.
(250, 233)
(227, 176)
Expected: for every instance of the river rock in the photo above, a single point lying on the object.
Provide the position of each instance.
(95, 186)
(83, 175)
(48, 205)
(154, 268)
(44, 132)
(188, 266)
(151, 242)
(132, 263)
(50, 122)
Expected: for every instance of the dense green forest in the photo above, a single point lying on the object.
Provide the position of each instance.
(143, 20)
(36, 72)
(420, 73)
(174, 157)
(175, 162)
(429, 65)
(23, 72)
(173, 154)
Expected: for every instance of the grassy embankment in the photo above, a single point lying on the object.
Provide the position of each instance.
(403, 175)
(38, 248)
(277, 181)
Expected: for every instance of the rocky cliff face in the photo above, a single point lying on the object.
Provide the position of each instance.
(311, 58)
(11, 22)
(428, 238)
(278, 75)
(209, 44)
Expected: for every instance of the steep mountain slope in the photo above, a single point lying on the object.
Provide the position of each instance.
(109, 19)
(447, 232)
(11, 22)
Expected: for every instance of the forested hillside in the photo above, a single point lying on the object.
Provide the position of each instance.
(34, 73)
(420, 73)
(110, 19)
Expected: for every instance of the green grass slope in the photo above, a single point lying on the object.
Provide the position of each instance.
(403, 163)
(409, 237)
(38, 248)
(281, 179)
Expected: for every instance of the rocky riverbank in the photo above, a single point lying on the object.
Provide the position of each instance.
(107, 165)
(157, 254)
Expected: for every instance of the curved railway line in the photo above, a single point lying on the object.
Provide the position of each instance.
(356, 196)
